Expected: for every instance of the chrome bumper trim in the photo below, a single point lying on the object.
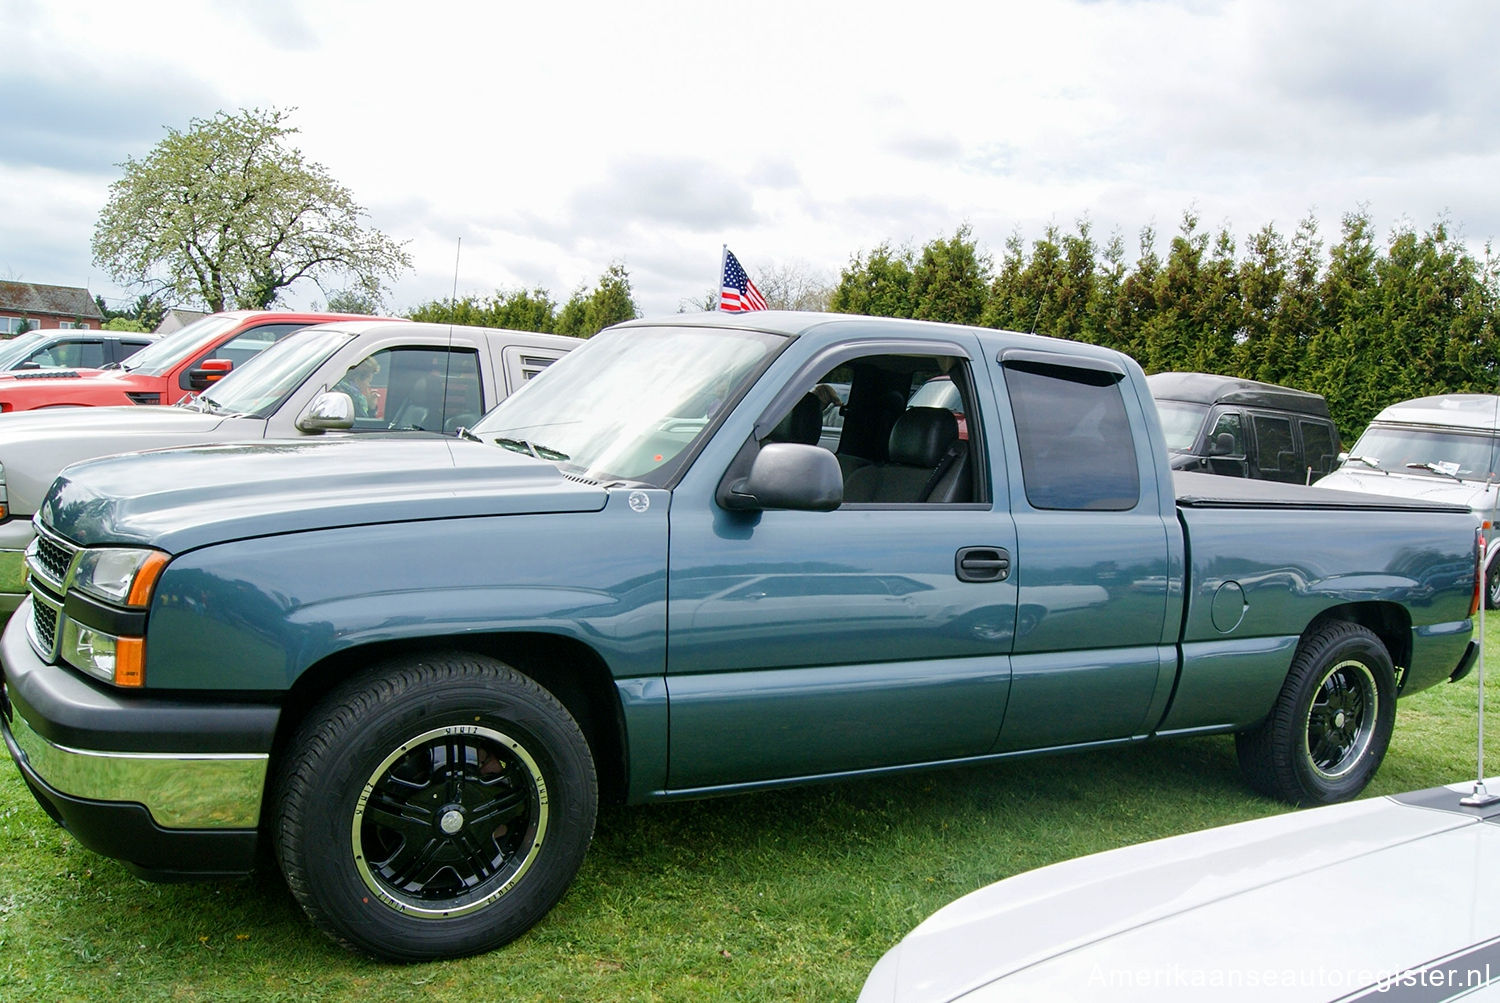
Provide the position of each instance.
(181, 791)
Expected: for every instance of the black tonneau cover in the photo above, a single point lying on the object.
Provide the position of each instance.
(1197, 490)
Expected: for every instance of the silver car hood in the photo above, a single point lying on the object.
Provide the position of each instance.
(1310, 905)
(1477, 495)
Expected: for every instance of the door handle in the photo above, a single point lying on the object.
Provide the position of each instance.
(982, 564)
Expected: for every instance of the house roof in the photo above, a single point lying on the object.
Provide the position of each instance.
(176, 319)
(33, 298)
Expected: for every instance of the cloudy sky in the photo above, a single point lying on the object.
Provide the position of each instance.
(556, 138)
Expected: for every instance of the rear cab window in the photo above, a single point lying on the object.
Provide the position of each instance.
(1077, 445)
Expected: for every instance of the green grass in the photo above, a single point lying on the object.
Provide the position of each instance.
(784, 896)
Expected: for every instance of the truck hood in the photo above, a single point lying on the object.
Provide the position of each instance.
(20, 379)
(1311, 905)
(104, 423)
(179, 499)
(1477, 495)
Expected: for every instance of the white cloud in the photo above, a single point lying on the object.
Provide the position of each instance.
(555, 139)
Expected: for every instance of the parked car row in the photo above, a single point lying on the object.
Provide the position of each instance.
(357, 376)
(71, 348)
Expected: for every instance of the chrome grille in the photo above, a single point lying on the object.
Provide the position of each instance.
(44, 626)
(49, 561)
(52, 559)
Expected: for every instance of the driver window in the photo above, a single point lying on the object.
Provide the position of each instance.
(359, 383)
(898, 425)
(419, 389)
(1228, 424)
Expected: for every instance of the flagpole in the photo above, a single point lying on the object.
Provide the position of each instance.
(719, 283)
(1481, 796)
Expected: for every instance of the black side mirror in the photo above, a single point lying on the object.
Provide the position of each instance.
(1223, 445)
(789, 475)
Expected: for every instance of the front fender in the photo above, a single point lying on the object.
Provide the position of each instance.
(253, 615)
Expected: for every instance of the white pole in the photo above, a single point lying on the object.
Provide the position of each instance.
(719, 282)
(1480, 797)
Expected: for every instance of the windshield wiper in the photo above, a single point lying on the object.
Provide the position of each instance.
(531, 449)
(517, 446)
(1369, 461)
(1435, 469)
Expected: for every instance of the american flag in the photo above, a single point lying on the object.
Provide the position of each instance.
(737, 293)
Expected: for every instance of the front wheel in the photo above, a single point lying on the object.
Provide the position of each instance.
(1492, 583)
(1331, 724)
(436, 807)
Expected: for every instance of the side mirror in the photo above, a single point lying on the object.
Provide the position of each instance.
(330, 411)
(211, 372)
(1223, 445)
(789, 475)
(29, 365)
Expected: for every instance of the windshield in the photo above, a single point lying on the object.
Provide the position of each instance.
(158, 358)
(630, 403)
(259, 386)
(1180, 423)
(1436, 453)
(15, 351)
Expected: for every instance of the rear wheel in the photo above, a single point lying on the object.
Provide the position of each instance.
(1331, 725)
(438, 807)
(1492, 583)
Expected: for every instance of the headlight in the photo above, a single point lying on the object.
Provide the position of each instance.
(118, 660)
(123, 575)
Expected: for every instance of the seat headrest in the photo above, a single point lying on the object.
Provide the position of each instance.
(922, 435)
(804, 423)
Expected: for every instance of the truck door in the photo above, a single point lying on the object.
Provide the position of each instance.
(1276, 455)
(808, 643)
(1094, 652)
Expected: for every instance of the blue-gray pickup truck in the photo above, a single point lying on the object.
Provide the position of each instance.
(701, 555)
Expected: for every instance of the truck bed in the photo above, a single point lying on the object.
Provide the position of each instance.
(1198, 490)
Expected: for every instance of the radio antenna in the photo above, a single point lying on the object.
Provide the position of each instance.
(442, 421)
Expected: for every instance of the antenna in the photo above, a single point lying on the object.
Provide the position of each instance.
(1041, 300)
(448, 358)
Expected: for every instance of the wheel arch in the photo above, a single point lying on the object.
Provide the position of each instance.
(1388, 621)
(570, 670)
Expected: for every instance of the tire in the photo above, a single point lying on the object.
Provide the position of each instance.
(386, 796)
(1492, 583)
(1331, 724)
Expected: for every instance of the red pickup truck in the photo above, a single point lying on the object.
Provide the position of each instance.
(177, 366)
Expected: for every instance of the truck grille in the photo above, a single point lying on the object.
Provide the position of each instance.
(53, 559)
(44, 626)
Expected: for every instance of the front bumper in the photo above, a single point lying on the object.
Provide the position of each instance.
(171, 787)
